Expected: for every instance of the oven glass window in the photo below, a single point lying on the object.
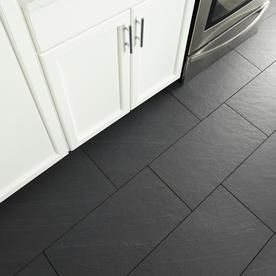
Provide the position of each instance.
(220, 9)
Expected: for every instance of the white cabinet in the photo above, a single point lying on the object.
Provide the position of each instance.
(89, 77)
(96, 67)
(94, 77)
(26, 147)
(160, 32)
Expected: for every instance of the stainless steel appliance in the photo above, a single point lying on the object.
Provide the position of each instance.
(218, 26)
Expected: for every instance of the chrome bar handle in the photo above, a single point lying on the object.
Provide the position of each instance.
(142, 29)
(130, 40)
(129, 44)
(142, 32)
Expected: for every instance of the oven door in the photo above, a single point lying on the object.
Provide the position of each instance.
(216, 16)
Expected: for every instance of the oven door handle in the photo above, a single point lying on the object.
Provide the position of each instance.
(201, 53)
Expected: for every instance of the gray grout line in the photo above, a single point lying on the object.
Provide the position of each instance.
(79, 221)
(247, 158)
(110, 196)
(178, 139)
(186, 133)
(99, 168)
(225, 102)
(157, 175)
(252, 63)
(209, 195)
(233, 95)
(231, 173)
(197, 124)
(50, 263)
(157, 245)
(232, 108)
(265, 18)
(125, 184)
(213, 111)
(171, 232)
(264, 223)
(167, 90)
(267, 242)
(269, 65)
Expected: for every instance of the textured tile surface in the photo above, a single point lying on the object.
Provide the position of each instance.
(203, 158)
(257, 100)
(271, 10)
(129, 145)
(119, 233)
(254, 183)
(39, 267)
(219, 238)
(265, 263)
(38, 214)
(216, 84)
(261, 48)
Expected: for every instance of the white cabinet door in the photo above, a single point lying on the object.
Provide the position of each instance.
(26, 148)
(158, 62)
(89, 77)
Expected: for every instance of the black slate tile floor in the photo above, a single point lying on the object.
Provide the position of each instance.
(257, 101)
(265, 262)
(261, 48)
(110, 208)
(114, 238)
(41, 212)
(202, 159)
(254, 183)
(39, 267)
(218, 238)
(227, 76)
(131, 144)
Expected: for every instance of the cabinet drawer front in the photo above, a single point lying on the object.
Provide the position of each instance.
(89, 77)
(54, 21)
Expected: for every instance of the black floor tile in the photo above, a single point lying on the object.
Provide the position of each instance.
(39, 267)
(254, 183)
(203, 158)
(114, 238)
(220, 238)
(216, 84)
(128, 146)
(257, 101)
(265, 263)
(38, 214)
(261, 48)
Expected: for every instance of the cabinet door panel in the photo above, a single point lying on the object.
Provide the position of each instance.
(90, 79)
(26, 148)
(156, 65)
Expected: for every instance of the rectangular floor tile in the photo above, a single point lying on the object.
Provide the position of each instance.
(115, 237)
(39, 267)
(219, 238)
(203, 158)
(261, 48)
(254, 183)
(216, 84)
(257, 101)
(132, 143)
(37, 215)
(265, 263)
